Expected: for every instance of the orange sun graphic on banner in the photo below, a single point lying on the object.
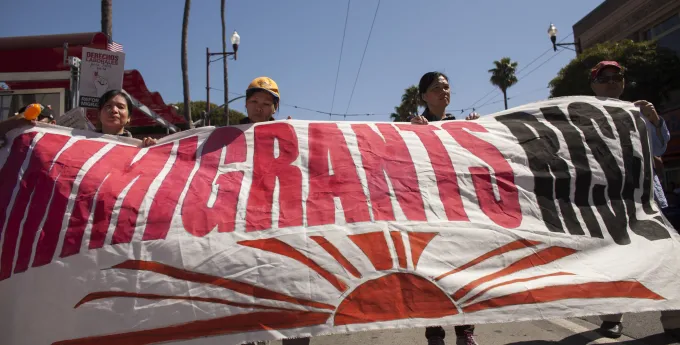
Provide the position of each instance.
(397, 293)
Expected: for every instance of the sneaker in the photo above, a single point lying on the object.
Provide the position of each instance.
(611, 329)
(435, 341)
(467, 339)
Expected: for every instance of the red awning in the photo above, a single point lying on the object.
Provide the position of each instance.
(133, 83)
(46, 53)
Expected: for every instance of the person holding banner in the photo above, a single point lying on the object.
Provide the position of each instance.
(607, 80)
(36, 113)
(262, 101)
(435, 90)
(114, 114)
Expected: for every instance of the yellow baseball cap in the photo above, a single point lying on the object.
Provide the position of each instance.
(265, 83)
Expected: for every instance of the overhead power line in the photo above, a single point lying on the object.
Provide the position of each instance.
(362, 57)
(342, 46)
(472, 107)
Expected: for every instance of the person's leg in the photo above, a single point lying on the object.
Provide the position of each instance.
(435, 335)
(465, 335)
(611, 326)
(298, 341)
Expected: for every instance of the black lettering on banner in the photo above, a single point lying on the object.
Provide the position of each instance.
(542, 153)
(579, 160)
(588, 118)
(632, 166)
(647, 160)
(615, 200)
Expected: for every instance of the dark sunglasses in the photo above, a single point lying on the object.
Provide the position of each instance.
(617, 78)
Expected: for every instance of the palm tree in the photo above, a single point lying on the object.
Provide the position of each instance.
(411, 100)
(503, 76)
(185, 64)
(107, 18)
(224, 64)
(399, 115)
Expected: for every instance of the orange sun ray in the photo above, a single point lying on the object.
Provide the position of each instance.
(540, 258)
(113, 294)
(206, 328)
(335, 253)
(620, 289)
(374, 246)
(516, 245)
(518, 281)
(277, 246)
(399, 247)
(240, 287)
(418, 242)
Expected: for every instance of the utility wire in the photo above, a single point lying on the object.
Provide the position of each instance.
(472, 107)
(362, 57)
(342, 46)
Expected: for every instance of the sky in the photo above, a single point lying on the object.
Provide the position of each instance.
(298, 44)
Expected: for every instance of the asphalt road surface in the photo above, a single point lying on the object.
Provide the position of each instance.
(639, 329)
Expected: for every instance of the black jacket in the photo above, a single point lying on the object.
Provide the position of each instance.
(246, 120)
(426, 114)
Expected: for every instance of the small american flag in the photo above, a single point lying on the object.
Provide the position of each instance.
(114, 47)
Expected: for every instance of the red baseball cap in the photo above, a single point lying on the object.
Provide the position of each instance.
(602, 65)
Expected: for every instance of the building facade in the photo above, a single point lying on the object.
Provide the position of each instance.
(641, 20)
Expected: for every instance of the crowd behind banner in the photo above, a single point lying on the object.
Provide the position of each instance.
(262, 102)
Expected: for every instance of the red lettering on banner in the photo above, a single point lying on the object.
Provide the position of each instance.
(267, 168)
(145, 170)
(165, 201)
(444, 172)
(505, 211)
(50, 198)
(390, 156)
(43, 153)
(198, 216)
(110, 164)
(343, 183)
(9, 175)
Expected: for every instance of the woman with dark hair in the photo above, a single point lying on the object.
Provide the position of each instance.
(435, 90)
(115, 107)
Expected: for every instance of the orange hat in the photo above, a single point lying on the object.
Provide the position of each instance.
(265, 83)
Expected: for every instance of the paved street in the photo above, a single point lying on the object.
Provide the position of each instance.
(639, 329)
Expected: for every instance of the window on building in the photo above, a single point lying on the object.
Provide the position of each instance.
(10, 103)
(670, 24)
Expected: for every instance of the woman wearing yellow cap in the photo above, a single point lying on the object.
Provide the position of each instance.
(262, 100)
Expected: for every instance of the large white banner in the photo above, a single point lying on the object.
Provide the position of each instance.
(100, 71)
(295, 228)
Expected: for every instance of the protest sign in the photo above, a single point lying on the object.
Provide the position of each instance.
(75, 118)
(294, 228)
(100, 71)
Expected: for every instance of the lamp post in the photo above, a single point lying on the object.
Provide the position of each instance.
(552, 32)
(235, 41)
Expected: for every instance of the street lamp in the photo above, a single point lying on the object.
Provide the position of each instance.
(235, 41)
(552, 32)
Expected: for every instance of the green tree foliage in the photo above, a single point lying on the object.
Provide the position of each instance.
(410, 101)
(651, 72)
(503, 76)
(216, 116)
